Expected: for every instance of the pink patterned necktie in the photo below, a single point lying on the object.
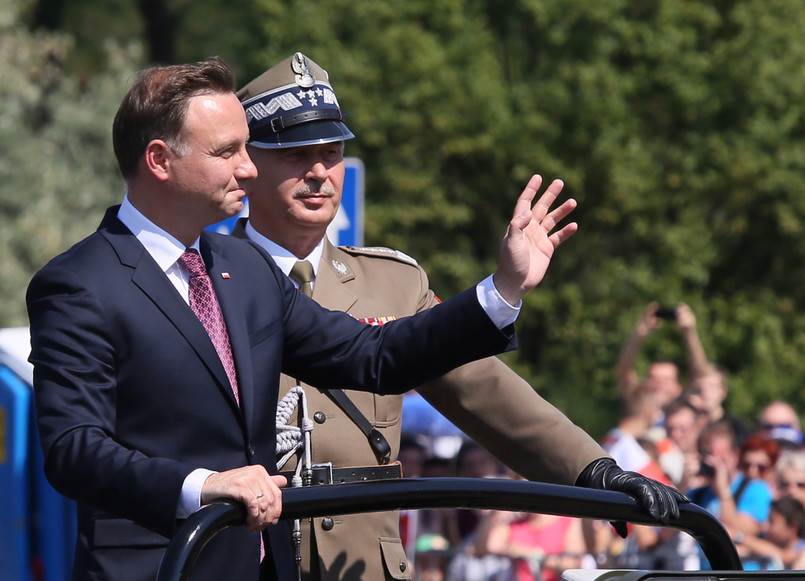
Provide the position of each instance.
(206, 308)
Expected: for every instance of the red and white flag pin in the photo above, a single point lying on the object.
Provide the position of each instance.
(225, 275)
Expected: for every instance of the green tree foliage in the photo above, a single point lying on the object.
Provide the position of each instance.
(677, 124)
(169, 30)
(57, 170)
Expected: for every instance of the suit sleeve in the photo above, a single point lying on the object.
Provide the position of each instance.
(331, 349)
(502, 412)
(75, 392)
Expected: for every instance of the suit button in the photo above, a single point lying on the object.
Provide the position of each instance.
(403, 566)
(327, 523)
(250, 452)
(319, 417)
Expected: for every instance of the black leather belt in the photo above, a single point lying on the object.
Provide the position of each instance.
(326, 474)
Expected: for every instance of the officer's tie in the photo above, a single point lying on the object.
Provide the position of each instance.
(302, 274)
(206, 308)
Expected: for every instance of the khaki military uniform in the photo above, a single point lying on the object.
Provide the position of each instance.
(487, 400)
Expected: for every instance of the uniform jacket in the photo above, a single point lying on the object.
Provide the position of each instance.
(131, 396)
(486, 399)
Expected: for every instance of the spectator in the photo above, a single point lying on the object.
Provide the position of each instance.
(646, 547)
(540, 546)
(790, 470)
(683, 426)
(432, 558)
(472, 461)
(707, 393)
(758, 456)
(439, 522)
(782, 545)
(742, 504)
(412, 457)
(779, 421)
(663, 376)
(636, 417)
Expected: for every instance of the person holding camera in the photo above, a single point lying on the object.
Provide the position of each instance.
(663, 376)
(741, 503)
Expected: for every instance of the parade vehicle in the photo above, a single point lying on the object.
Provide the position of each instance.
(42, 548)
(489, 493)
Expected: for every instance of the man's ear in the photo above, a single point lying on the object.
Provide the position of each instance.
(158, 157)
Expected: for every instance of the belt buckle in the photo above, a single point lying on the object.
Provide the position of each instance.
(328, 466)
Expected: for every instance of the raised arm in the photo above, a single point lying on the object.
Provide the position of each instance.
(530, 239)
(697, 358)
(627, 375)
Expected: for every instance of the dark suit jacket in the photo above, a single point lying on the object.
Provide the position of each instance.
(131, 396)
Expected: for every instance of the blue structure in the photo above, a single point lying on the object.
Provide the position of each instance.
(15, 404)
(37, 524)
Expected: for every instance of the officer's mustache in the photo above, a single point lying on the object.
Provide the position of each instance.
(314, 189)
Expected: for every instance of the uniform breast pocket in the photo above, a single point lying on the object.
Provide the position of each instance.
(388, 410)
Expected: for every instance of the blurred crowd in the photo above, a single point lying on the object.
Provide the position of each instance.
(750, 473)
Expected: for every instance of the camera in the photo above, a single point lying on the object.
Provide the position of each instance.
(706, 470)
(666, 313)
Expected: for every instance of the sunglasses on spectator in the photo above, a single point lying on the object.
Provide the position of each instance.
(786, 484)
(761, 466)
(769, 427)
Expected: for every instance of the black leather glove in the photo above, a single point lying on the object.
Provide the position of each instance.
(660, 501)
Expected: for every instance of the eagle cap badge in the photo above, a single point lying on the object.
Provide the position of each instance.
(300, 67)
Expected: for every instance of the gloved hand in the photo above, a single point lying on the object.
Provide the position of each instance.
(660, 501)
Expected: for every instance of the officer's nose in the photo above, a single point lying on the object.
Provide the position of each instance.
(318, 171)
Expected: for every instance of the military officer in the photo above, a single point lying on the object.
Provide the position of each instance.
(297, 136)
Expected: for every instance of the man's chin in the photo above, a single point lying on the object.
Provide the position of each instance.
(233, 208)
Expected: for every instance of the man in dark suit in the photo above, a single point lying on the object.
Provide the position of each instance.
(297, 143)
(157, 347)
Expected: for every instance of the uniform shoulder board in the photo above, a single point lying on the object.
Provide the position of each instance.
(379, 251)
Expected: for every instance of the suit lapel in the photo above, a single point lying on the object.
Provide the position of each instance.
(150, 279)
(330, 290)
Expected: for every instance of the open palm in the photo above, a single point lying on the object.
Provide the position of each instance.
(530, 239)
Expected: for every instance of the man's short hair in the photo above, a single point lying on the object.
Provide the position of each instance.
(793, 459)
(792, 511)
(155, 107)
(679, 404)
(638, 402)
(718, 428)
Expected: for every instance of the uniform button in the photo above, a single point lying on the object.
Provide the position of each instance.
(403, 566)
(327, 523)
(319, 417)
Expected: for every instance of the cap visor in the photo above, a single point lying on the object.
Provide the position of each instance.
(305, 134)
